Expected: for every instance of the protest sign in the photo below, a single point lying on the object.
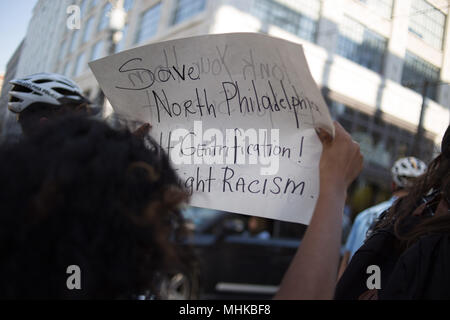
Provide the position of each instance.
(236, 114)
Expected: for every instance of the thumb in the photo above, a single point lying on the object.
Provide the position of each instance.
(324, 136)
(142, 130)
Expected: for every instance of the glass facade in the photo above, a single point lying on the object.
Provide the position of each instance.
(93, 4)
(83, 6)
(381, 142)
(67, 69)
(121, 45)
(88, 29)
(62, 50)
(297, 17)
(80, 65)
(361, 45)
(427, 22)
(416, 71)
(74, 40)
(186, 9)
(104, 19)
(97, 50)
(128, 4)
(381, 7)
(149, 23)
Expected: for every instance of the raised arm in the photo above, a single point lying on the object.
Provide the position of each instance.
(313, 271)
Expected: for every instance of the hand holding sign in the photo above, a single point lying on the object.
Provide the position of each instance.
(341, 160)
(236, 114)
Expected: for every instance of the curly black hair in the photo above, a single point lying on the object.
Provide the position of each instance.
(80, 193)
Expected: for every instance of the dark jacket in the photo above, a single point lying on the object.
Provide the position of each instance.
(420, 272)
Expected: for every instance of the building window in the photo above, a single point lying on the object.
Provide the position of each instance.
(80, 65)
(382, 7)
(381, 142)
(104, 19)
(149, 23)
(416, 71)
(88, 29)
(186, 9)
(67, 69)
(83, 6)
(128, 4)
(93, 4)
(97, 51)
(297, 17)
(74, 41)
(121, 45)
(361, 45)
(427, 22)
(62, 50)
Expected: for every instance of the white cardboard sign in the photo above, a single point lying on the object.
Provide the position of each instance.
(236, 114)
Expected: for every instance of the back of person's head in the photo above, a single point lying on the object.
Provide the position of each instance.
(424, 198)
(80, 193)
(258, 224)
(44, 95)
(406, 170)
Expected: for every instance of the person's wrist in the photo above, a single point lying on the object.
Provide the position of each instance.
(333, 186)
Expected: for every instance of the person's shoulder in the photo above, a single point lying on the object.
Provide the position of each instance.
(362, 215)
(422, 270)
(430, 245)
(383, 205)
(378, 208)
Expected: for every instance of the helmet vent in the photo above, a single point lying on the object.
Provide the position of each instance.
(63, 91)
(42, 81)
(64, 83)
(15, 99)
(22, 89)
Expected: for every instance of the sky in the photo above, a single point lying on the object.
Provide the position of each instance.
(14, 18)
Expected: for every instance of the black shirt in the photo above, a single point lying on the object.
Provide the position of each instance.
(420, 272)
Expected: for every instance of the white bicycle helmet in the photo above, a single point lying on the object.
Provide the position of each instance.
(47, 88)
(405, 169)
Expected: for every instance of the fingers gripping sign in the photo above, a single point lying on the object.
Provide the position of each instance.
(341, 160)
(143, 130)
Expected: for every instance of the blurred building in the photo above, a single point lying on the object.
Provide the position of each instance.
(2, 78)
(8, 125)
(42, 41)
(375, 60)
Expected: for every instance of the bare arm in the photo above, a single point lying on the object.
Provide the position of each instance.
(313, 271)
(344, 264)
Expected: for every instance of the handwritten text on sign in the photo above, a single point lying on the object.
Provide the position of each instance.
(236, 114)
